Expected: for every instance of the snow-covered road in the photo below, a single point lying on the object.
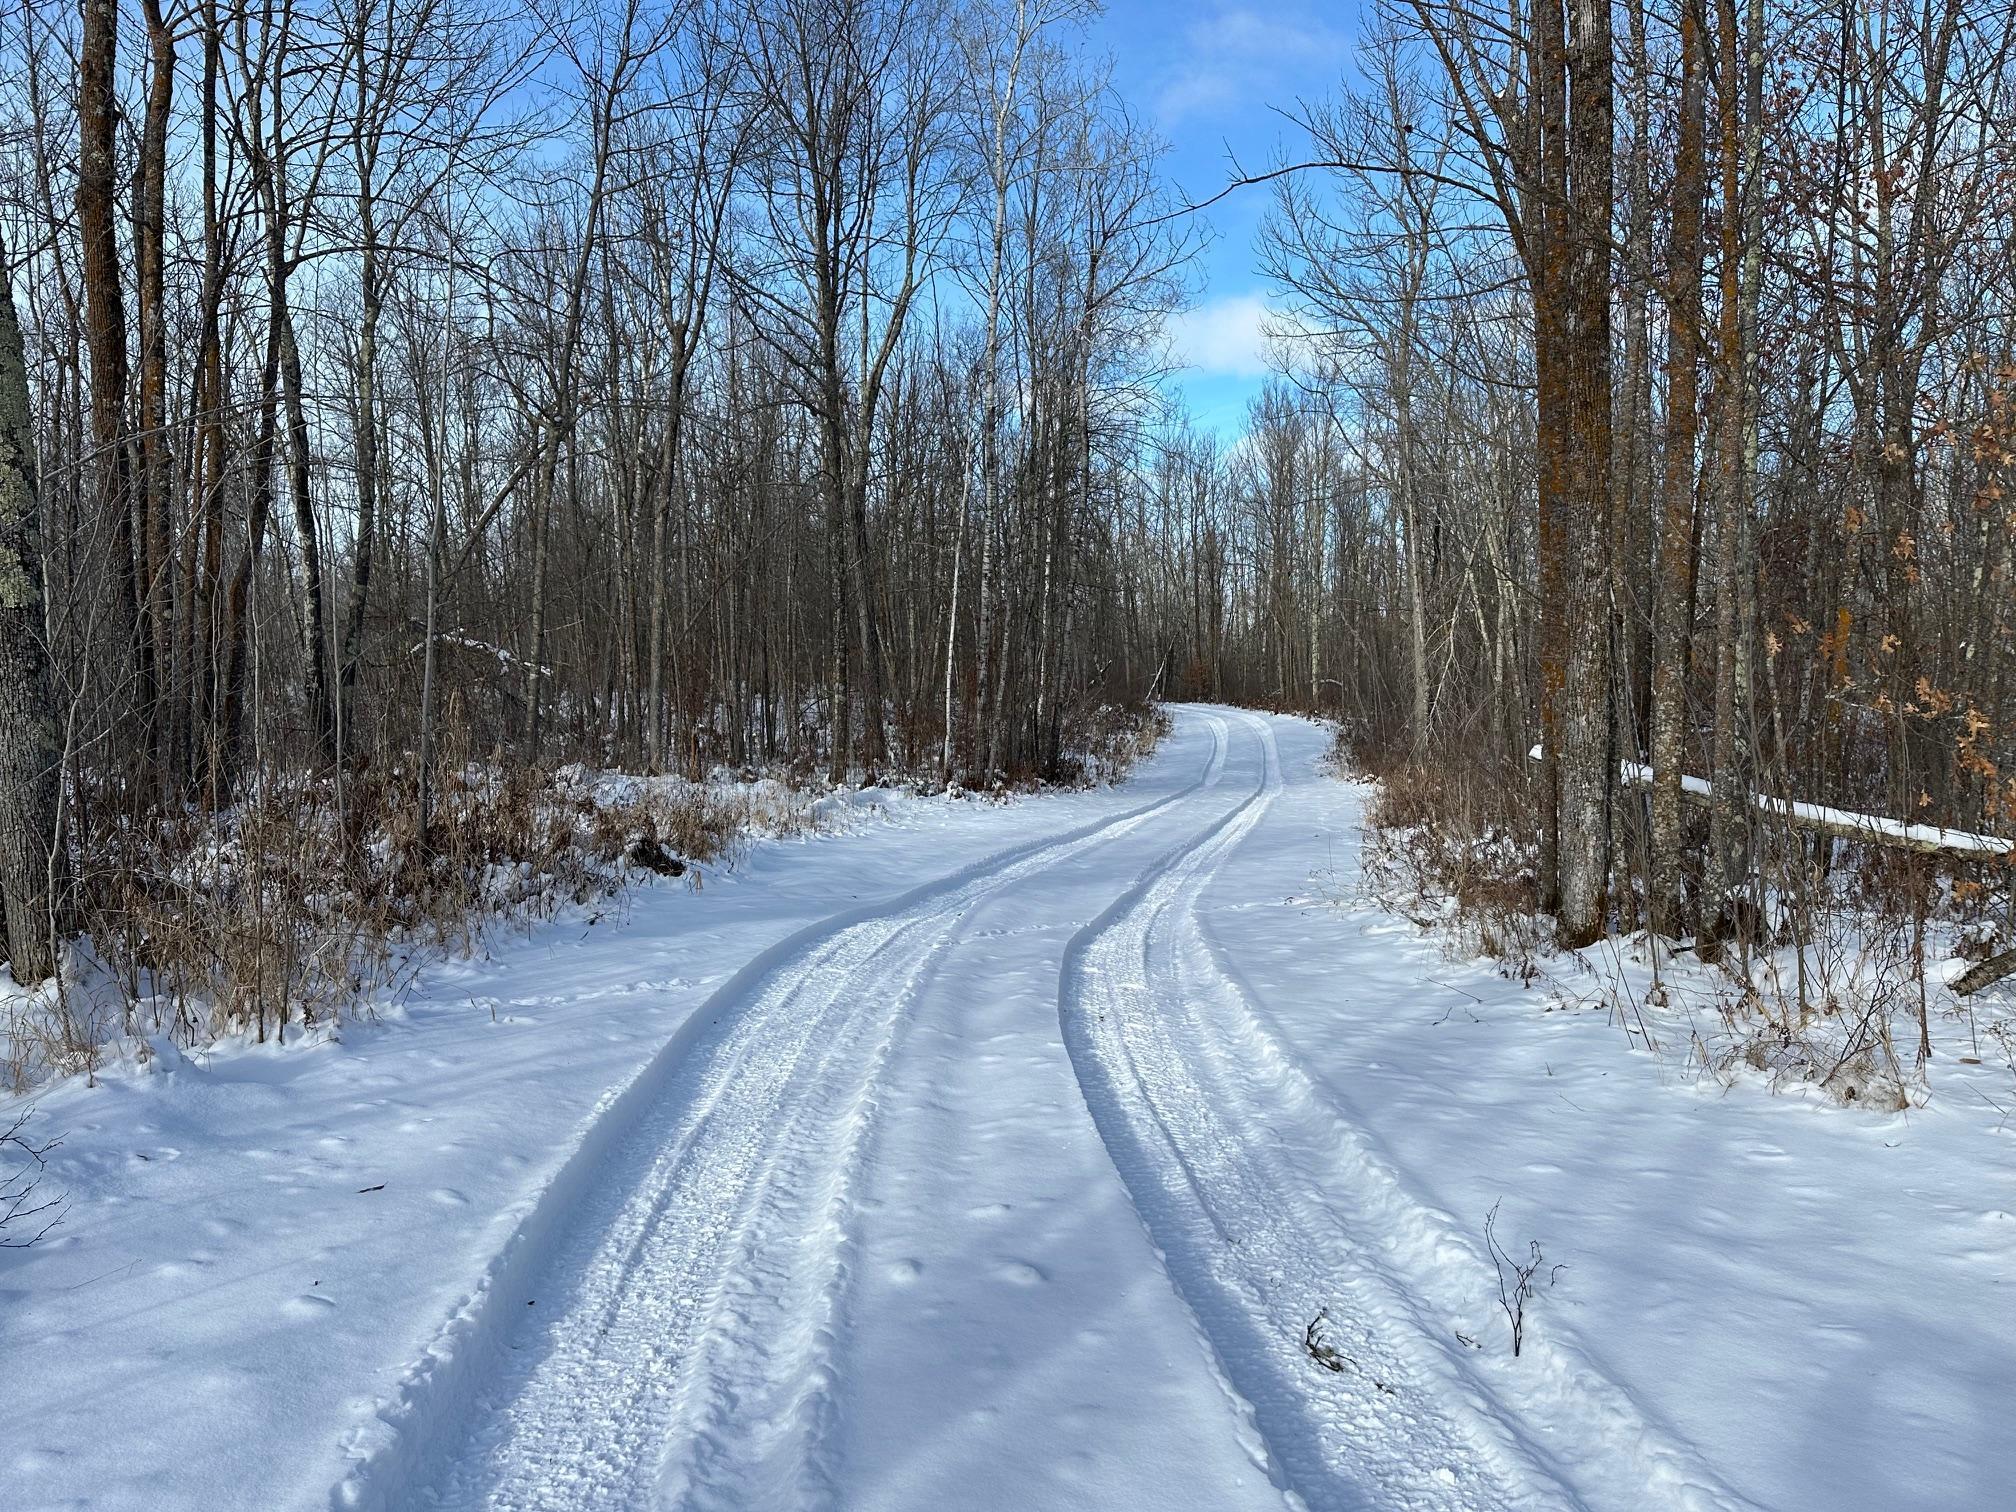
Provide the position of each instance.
(858, 1251)
(864, 1249)
(1092, 1152)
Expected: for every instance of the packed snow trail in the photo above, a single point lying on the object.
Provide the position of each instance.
(862, 1249)
(1290, 1240)
(685, 1352)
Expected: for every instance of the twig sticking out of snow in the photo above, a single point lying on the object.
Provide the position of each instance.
(19, 1201)
(1515, 1277)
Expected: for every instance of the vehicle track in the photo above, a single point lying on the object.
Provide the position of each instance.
(1274, 1212)
(1252, 1245)
(681, 1350)
(1419, 1270)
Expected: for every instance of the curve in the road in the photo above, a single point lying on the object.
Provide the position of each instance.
(690, 1240)
(1252, 1247)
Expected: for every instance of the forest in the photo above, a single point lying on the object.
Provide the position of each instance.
(1007, 755)
(392, 390)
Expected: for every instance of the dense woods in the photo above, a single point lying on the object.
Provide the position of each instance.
(1653, 382)
(775, 381)
(657, 385)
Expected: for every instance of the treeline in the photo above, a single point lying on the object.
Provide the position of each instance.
(747, 381)
(1653, 400)
(663, 384)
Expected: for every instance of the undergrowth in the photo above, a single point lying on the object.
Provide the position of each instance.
(306, 903)
(312, 900)
(1839, 987)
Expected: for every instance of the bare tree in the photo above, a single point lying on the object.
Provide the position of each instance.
(32, 870)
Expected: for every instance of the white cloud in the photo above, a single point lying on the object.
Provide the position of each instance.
(1225, 336)
(1231, 56)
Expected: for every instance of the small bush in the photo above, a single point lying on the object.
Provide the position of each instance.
(1829, 978)
(1517, 1278)
(307, 902)
(1445, 851)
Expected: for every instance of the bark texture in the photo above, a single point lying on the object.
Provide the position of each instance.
(31, 749)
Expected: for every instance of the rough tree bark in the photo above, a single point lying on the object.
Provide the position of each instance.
(1674, 610)
(105, 318)
(1587, 770)
(31, 750)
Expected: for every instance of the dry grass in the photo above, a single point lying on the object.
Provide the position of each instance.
(1113, 738)
(312, 901)
(1837, 991)
(1102, 744)
(305, 904)
(1451, 854)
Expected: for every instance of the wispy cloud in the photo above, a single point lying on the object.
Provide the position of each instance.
(1225, 337)
(1233, 56)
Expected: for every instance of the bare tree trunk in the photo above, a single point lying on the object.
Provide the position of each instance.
(667, 486)
(952, 609)
(1588, 771)
(370, 277)
(315, 648)
(196, 709)
(1673, 614)
(227, 761)
(365, 540)
(1728, 844)
(1546, 261)
(542, 521)
(868, 596)
(153, 494)
(32, 871)
(105, 325)
(1401, 366)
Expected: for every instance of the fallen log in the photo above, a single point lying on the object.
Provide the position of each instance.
(1986, 973)
(1872, 829)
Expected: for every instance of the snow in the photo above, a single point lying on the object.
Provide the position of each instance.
(505, 658)
(1102, 1150)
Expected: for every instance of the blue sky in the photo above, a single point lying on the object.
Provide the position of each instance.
(1205, 75)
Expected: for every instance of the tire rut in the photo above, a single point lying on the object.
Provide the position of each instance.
(1349, 1410)
(686, 1358)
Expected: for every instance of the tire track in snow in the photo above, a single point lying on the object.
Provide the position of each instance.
(1250, 1241)
(692, 1247)
(1420, 1272)
(1271, 1205)
(760, 1403)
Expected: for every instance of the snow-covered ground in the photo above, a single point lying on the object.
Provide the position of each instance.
(1093, 1151)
